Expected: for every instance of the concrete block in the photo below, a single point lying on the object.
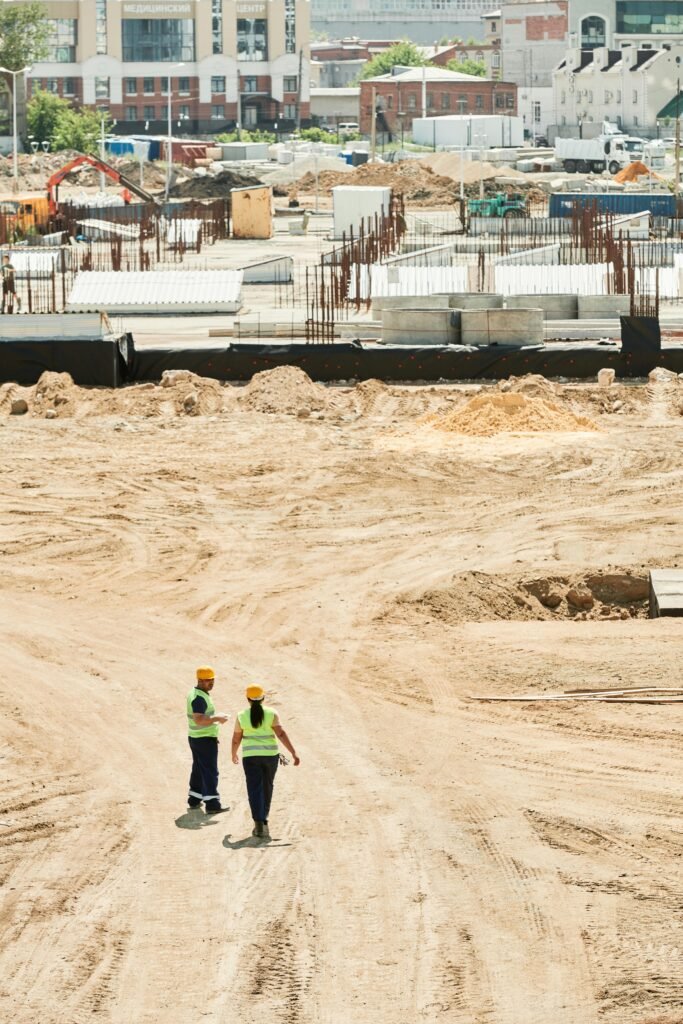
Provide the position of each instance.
(381, 302)
(502, 326)
(603, 307)
(420, 326)
(472, 300)
(555, 307)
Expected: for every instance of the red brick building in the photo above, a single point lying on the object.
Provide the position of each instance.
(399, 96)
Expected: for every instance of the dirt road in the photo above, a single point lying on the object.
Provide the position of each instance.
(433, 859)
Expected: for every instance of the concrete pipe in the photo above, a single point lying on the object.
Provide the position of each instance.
(420, 327)
(502, 326)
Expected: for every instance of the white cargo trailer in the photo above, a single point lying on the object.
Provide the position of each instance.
(453, 131)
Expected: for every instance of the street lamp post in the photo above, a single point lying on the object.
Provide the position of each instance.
(169, 155)
(14, 74)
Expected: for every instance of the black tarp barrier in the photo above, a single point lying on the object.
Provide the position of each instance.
(93, 362)
(641, 343)
(431, 363)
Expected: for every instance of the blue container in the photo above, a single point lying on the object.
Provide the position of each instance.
(660, 204)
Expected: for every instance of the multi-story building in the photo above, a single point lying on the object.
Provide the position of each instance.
(614, 23)
(632, 87)
(416, 92)
(533, 38)
(422, 21)
(228, 61)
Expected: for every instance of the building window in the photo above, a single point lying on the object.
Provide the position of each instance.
(494, 26)
(635, 95)
(149, 113)
(509, 100)
(290, 83)
(495, 61)
(249, 84)
(635, 122)
(217, 112)
(184, 111)
(590, 95)
(445, 101)
(649, 17)
(131, 113)
(500, 100)
(131, 86)
(290, 26)
(290, 111)
(479, 101)
(63, 40)
(462, 103)
(536, 111)
(52, 85)
(563, 97)
(218, 83)
(252, 39)
(217, 25)
(69, 87)
(593, 32)
(101, 88)
(390, 102)
(430, 100)
(412, 101)
(101, 26)
(148, 86)
(184, 86)
(157, 39)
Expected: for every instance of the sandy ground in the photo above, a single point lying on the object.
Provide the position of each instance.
(434, 858)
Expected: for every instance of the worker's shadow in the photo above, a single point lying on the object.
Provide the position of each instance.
(194, 819)
(254, 842)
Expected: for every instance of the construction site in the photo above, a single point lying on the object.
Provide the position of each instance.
(396, 444)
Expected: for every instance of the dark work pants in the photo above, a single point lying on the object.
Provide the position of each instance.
(204, 774)
(260, 775)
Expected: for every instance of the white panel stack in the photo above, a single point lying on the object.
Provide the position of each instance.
(157, 291)
(355, 206)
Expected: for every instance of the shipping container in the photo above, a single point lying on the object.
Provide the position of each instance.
(660, 204)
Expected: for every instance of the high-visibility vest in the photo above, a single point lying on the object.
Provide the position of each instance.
(261, 741)
(200, 730)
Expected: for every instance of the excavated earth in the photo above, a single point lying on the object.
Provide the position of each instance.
(434, 857)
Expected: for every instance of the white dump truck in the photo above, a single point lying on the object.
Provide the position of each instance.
(607, 152)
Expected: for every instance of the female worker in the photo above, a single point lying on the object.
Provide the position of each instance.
(258, 729)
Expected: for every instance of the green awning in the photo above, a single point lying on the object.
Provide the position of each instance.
(673, 109)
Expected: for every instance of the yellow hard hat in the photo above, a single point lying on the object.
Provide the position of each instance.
(205, 672)
(255, 693)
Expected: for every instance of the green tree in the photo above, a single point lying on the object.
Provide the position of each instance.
(24, 34)
(468, 67)
(79, 129)
(405, 53)
(42, 114)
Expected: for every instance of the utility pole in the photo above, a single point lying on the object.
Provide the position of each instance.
(678, 142)
(373, 126)
(298, 91)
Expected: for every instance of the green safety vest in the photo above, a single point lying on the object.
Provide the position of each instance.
(200, 730)
(261, 741)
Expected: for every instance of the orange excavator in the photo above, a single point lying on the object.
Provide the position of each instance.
(83, 158)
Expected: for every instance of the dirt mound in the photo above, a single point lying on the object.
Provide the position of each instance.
(55, 395)
(480, 597)
(486, 415)
(370, 396)
(417, 184)
(286, 389)
(451, 166)
(532, 384)
(212, 186)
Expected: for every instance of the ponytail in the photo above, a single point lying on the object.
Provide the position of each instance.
(256, 713)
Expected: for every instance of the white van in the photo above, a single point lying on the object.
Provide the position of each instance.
(348, 126)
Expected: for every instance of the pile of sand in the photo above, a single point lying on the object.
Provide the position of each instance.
(450, 165)
(56, 392)
(286, 389)
(370, 396)
(486, 415)
(533, 384)
(409, 178)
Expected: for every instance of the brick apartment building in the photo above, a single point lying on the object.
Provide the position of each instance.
(399, 96)
(230, 61)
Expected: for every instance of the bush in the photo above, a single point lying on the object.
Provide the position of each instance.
(245, 135)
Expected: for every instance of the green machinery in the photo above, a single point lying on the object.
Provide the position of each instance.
(499, 205)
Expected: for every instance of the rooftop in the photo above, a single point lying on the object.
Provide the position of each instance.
(428, 75)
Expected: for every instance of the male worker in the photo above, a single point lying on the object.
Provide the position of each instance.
(9, 288)
(202, 724)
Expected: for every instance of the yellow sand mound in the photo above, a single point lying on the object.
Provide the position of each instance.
(485, 415)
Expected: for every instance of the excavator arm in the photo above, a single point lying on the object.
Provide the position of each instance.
(57, 178)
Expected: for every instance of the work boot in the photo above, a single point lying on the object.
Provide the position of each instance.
(193, 802)
(258, 829)
(266, 833)
(213, 807)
